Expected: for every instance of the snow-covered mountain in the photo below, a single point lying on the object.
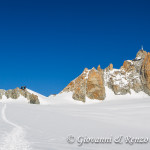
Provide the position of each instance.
(119, 107)
(131, 80)
(17, 95)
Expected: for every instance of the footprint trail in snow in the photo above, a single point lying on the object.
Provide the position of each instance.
(15, 139)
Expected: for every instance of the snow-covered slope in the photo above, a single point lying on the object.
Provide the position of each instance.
(21, 99)
(43, 99)
(66, 97)
(35, 93)
(133, 95)
(36, 127)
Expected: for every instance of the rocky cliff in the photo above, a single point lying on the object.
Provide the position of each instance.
(90, 83)
(132, 75)
(16, 93)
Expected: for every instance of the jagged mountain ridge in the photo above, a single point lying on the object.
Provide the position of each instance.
(133, 75)
(17, 93)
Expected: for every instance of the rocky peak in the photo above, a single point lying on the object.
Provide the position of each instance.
(145, 73)
(17, 92)
(71, 86)
(89, 84)
(99, 68)
(86, 70)
(109, 68)
(95, 85)
(138, 61)
(128, 66)
(141, 54)
(133, 75)
(93, 69)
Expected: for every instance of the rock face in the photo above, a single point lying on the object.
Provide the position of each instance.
(79, 90)
(128, 66)
(133, 75)
(95, 85)
(2, 92)
(89, 84)
(117, 81)
(109, 68)
(33, 99)
(128, 77)
(78, 86)
(145, 74)
(16, 93)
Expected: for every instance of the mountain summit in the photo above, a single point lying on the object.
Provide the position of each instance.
(15, 94)
(133, 75)
(131, 80)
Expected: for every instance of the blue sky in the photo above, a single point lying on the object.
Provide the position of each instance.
(46, 44)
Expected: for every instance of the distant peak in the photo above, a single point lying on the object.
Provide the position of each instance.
(141, 54)
(99, 68)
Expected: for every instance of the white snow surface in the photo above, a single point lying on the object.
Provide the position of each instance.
(13, 140)
(46, 127)
(66, 98)
(21, 99)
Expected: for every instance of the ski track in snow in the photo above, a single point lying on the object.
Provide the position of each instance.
(15, 139)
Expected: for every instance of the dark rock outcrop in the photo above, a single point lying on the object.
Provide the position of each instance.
(33, 99)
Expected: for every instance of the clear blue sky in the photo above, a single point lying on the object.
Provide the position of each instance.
(46, 44)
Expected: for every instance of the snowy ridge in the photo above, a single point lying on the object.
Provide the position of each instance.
(86, 73)
(111, 96)
(43, 99)
(21, 99)
(66, 97)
